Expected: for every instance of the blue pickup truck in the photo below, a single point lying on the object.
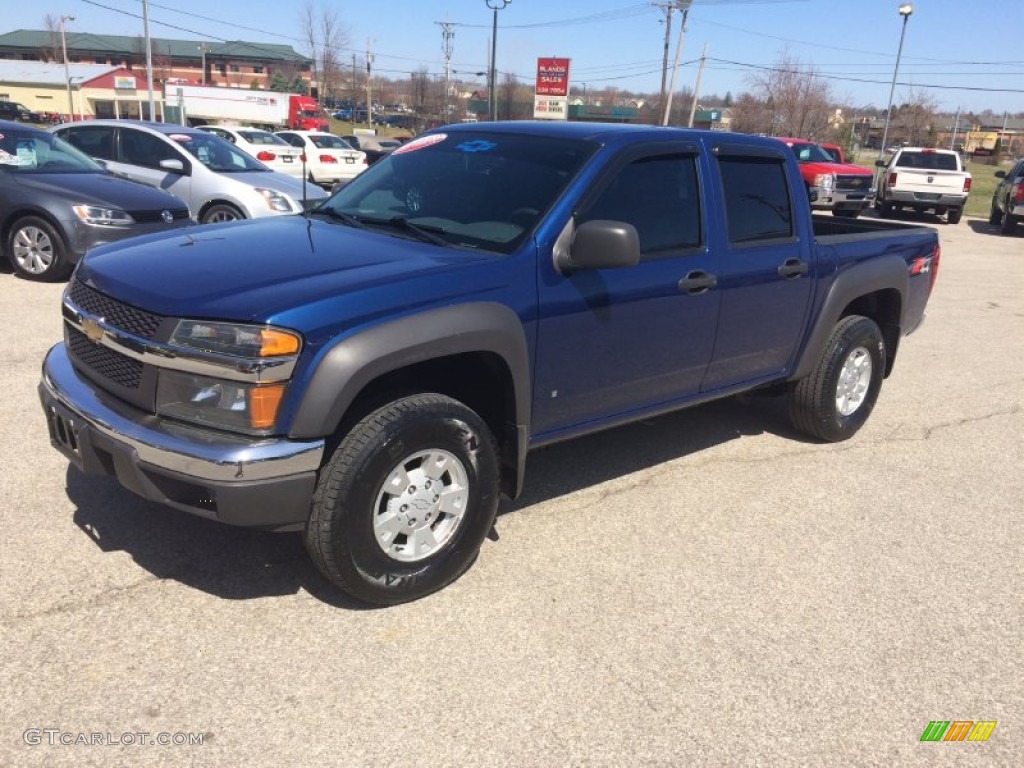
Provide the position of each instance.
(373, 372)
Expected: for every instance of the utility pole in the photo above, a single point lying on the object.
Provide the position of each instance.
(447, 33)
(956, 128)
(684, 6)
(369, 80)
(667, 9)
(149, 58)
(696, 87)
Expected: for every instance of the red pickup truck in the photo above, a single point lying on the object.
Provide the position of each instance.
(842, 188)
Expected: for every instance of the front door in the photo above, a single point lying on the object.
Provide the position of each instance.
(612, 341)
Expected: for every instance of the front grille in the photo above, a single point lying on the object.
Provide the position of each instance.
(854, 183)
(121, 316)
(105, 362)
(151, 217)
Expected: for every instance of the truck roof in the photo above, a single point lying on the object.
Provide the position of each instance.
(604, 133)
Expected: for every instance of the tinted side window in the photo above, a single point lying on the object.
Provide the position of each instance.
(757, 203)
(94, 141)
(659, 196)
(145, 149)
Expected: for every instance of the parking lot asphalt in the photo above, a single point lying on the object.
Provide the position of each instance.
(705, 588)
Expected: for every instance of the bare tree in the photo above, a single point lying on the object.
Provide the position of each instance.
(916, 116)
(325, 36)
(751, 114)
(800, 101)
(54, 51)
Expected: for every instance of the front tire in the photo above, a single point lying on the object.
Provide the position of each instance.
(995, 216)
(405, 501)
(836, 398)
(220, 213)
(37, 251)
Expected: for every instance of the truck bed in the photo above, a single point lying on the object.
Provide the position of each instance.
(829, 229)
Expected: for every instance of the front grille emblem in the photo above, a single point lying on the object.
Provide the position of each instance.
(167, 216)
(92, 329)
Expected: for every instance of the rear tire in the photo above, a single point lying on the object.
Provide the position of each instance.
(405, 501)
(884, 209)
(1009, 224)
(953, 215)
(836, 398)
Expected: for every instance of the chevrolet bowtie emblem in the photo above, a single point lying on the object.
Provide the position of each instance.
(92, 329)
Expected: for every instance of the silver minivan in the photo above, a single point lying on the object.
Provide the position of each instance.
(216, 180)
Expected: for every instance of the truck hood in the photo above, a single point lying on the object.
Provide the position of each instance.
(844, 169)
(253, 270)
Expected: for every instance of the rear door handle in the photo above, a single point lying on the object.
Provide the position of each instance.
(792, 268)
(696, 282)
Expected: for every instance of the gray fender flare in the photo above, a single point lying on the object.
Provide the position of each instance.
(353, 362)
(885, 273)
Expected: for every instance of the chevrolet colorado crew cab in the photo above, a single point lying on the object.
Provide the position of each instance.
(373, 372)
(923, 180)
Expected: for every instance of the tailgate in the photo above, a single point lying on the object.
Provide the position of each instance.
(938, 182)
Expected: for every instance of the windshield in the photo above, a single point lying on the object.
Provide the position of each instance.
(834, 153)
(328, 141)
(476, 190)
(811, 153)
(217, 154)
(262, 138)
(37, 152)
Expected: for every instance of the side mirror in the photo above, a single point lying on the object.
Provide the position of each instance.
(880, 164)
(174, 166)
(1000, 174)
(600, 244)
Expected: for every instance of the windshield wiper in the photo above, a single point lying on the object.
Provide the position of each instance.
(344, 218)
(424, 232)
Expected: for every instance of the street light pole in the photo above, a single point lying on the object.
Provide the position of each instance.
(905, 10)
(67, 71)
(492, 96)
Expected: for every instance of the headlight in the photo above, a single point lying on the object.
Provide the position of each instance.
(275, 200)
(206, 398)
(235, 340)
(102, 217)
(241, 407)
(825, 180)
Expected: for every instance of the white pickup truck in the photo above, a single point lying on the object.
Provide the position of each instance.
(923, 180)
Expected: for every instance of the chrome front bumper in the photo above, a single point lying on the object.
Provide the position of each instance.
(265, 482)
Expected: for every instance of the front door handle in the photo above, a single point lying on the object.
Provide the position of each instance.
(696, 282)
(792, 268)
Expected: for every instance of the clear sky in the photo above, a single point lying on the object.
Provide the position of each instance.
(966, 53)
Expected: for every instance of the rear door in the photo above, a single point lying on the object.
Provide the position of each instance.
(764, 274)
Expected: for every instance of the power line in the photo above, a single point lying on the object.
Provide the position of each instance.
(862, 80)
